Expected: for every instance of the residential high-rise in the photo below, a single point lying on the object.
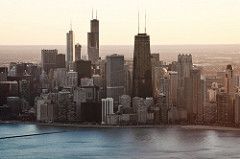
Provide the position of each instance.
(194, 96)
(115, 77)
(107, 109)
(70, 48)
(93, 41)
(142, 70)
(184, 66)
(78, 48)
(48, 59)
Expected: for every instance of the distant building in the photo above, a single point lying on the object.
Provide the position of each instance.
(70, 49)
(184, 67)
(78, 54)
(3, 73)
(60, 61)
(45, 109)
(8, 89)
(72, 79)
(225, 108)
(93, 41)
(115, 77)
(48, 60)
(142, 70)
(237, 109)
(194, 96)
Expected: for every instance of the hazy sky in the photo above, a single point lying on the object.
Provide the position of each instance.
(169, 21)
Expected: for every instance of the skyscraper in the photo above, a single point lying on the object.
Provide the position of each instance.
(115, 76)
(93, 41)
(70, 48)
(60, 61)
(83, 68)
(194, 96)
(78, 48)
(142, 75)
(48, 59)
(184, 67)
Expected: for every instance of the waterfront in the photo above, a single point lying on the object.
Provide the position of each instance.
(153, 143)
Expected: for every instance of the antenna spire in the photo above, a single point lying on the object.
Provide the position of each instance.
(145, 22)
(71, 24)
(96, 14)
(138, 23)
(92, 13)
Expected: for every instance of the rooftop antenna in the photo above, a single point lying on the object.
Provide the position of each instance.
(96, 14)
(138, 22)
(145, 22)
(71, 24)
(92, 13)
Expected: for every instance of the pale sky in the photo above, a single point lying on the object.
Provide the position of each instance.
(41, 22)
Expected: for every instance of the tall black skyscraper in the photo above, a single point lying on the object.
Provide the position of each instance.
(93, 41)
(142, 75)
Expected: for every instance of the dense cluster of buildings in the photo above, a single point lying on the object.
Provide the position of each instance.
(68, 89)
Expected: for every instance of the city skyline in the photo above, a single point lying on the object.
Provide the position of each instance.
(210, 22)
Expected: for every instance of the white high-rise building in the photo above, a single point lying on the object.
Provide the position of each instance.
(107, 109)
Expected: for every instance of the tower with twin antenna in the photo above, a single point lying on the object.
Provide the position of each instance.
(93, 40)
(142, 69)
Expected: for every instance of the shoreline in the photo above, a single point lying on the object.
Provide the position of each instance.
(187, 127)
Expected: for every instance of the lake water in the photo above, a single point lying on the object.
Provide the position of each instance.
(119, 143)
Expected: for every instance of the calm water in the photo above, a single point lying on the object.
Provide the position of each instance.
(124, 143)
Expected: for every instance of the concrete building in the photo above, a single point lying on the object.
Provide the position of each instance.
(184, 67)
(237, 109)
(60, 77)
(107, 109)
(45, 109)
(48, 59)
(194, 96)
(87, 82)
(78, 53)
(72, 79)
(115, 77)
(225, 108)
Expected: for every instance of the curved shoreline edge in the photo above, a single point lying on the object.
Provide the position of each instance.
(67, 125)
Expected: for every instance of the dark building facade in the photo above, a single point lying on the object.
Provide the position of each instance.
(83, 68)
(48, 59)
(7, 89)
(93, 41)
(3, 73)
(91, 112)
(142, 70)
(78, 54)
(60, 61)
